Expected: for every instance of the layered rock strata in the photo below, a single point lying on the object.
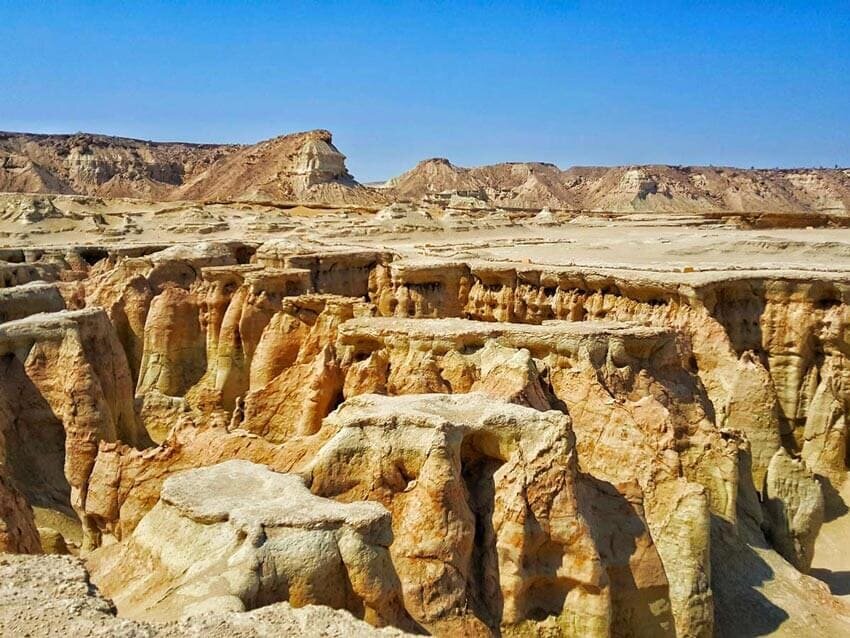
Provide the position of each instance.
(22, 301)
(45, 596)
(769, 348)
(64, 387)
(639, 418)
(565, 472)
(237, 536)
(301, 166)
(307, 167)
(488, 531)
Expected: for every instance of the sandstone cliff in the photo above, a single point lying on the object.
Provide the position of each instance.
(297, 167)
(631, 188)
(307, 167)
(44, 596)
(449, 444)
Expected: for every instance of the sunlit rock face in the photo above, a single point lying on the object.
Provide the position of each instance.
(53, 595)
(639, 420)
(435, 444)
(298, 167)
(782, 338)
(65, 386)
(237, 536)
(319, 161)
(487, 526)
(18, 302)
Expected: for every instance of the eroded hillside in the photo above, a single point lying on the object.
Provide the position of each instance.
(307, 167)
(436, 421)
(298, 167)
(652, 188)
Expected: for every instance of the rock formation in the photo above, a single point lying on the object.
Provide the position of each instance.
(487, 527)
(299, 167)
(65, 385)
(18, 533)
(307, 167)
(578, 367)
(454, 414)
(52, 595)
(237, 536)
(629, 188)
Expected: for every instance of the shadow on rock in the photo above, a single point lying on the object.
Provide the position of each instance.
(838, 582)
(737, 571)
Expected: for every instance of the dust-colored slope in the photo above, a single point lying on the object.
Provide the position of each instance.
(635, 188)
(307, 167)
(517, 185)
(298, 167)
(100, 165)
(302, 166)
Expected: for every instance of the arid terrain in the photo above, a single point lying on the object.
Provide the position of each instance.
(242, 394)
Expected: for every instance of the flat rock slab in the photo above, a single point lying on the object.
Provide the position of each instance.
(251, 495)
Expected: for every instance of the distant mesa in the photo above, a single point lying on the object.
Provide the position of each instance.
(307, 167)
(298, 167)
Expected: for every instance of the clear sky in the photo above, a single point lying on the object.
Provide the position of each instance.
(741, 83)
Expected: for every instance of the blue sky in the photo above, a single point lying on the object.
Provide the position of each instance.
(733, 83)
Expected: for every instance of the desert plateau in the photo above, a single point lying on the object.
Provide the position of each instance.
(471, 319)
(243, 394)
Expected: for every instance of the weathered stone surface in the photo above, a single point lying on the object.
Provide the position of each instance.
(64, 387)
(332, 271)
(794, 505)
(302, 166)
(487, 527)
(125, 288)
(754, 409)
(44, 596)
(535, 185)
(248, 307)
(125, 483)
(237, 536)
(640, 589)
(639, 417)
(159, 413)
(825, 432)
(296, 379)
(174, 350)
(18, 533)
(708, 431)
(18, 302)
(792, 325)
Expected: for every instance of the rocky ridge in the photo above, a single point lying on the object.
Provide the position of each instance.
(298, 167)
(307, 167)
(455, 414)
(650, 188)
(447, 445)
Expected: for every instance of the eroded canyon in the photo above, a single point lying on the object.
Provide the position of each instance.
(380, 410)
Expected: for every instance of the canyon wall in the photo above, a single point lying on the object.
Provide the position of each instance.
(467, 446)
